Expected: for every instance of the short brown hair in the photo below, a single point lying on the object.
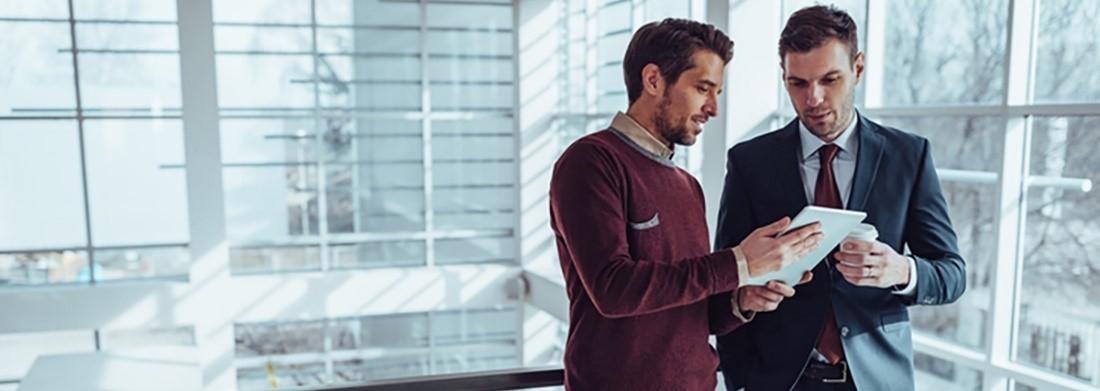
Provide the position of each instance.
(810, 27)
(670, 44)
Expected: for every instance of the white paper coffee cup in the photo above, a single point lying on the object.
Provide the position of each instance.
(863, 232)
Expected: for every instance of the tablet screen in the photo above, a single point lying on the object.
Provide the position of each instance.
(835, 226)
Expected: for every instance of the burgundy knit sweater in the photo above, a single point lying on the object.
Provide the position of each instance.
(634, 249)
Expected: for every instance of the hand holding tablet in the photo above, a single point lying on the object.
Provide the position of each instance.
(835, 225)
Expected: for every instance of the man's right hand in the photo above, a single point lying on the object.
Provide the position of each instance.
(766, 253)
(766, 298)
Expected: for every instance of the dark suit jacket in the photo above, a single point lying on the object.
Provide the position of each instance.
(895, 182)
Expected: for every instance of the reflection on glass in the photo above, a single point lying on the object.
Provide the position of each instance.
(278, 375)
(264, 339)
(377, 254)
(264, 82)
(259, 259)
(144, 10)
(34, 78)
(141, 338)
(136, 181)
(21, 349)
(130, 83)
(944, 52)
(262, 11)
(57, 9)
(935, 374)
(1059, 327)
(396, 330)
(38, 213)
(382, 368)
(967, 152)
(116, 36)
(376, 347)
(480, 250)
(1067, 41)
(145, 262)
(37, 268)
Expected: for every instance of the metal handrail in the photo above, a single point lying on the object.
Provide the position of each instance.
(511, 379)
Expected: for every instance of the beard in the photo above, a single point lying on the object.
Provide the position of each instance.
(676, 134)
(844, 114)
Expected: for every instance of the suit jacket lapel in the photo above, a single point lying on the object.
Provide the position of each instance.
(870, 154)
(788, 177)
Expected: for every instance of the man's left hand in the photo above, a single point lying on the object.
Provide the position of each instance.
(872, 264)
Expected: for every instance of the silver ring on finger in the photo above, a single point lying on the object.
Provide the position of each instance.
(867, 272)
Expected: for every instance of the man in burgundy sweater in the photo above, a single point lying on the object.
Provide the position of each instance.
(631, 228)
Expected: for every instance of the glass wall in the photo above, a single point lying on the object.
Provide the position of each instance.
(91, 143)
(366, 134)
(1059, 322)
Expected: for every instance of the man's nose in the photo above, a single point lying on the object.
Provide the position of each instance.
(816, 96)
(711, 107)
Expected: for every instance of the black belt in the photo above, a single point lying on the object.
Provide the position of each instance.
(827, 373)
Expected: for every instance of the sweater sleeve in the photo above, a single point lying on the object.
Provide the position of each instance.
(587, 205)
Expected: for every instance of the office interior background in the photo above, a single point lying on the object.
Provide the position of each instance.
(262, 193)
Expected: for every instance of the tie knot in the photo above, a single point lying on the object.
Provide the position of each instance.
(827, 152)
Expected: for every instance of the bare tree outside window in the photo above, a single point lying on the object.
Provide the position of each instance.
(952, 53)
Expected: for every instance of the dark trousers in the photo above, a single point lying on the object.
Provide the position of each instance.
(812, 385)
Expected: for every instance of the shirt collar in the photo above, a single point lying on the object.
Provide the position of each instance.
(639, 135)
(846, 142)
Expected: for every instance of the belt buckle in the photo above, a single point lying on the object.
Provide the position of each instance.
(843, 374)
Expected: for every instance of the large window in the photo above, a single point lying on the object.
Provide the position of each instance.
(1066, 40)
(91, 146)
(1059, 321)
(943, 53)
(363, 134)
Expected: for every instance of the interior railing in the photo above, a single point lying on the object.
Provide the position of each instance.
(511, 379)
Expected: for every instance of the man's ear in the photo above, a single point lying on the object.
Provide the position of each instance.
(857, 66)
(653, 83)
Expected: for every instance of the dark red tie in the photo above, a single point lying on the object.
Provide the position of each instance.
(826, 194)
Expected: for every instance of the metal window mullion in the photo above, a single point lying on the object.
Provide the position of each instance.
(562, 83)
(874, 53)
(329, 374)
(319, 139)
(426, 139)
(83, 155)
(517, 165)
(638, 17)
(431, 333)
(1012, 203)
(712, 164)
(1007, 267)
(590, 66)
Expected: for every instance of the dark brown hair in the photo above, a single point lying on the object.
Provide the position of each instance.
(810, 27)
(670, 44)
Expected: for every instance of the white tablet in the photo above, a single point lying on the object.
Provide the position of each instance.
(835, 225)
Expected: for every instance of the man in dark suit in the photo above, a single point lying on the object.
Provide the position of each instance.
(849, 327)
